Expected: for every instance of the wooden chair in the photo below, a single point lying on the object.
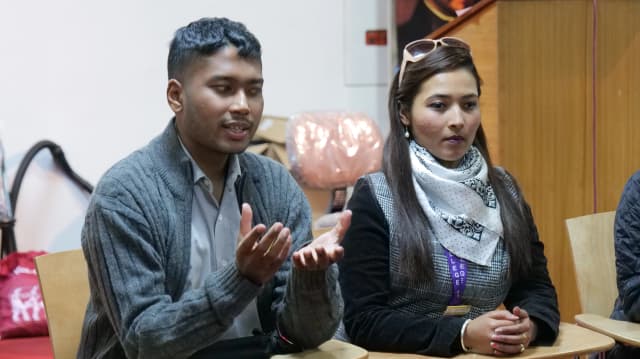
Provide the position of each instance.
(329, 350)
(591, 239)
(573, 341)
(65, 291)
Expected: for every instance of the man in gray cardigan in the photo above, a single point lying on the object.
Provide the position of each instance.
(191, 242)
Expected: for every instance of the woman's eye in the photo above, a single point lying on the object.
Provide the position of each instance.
(471, 105)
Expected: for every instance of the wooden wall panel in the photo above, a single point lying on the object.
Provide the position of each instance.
(618, 99)
(544, 120)
(481, 34)
(538, 109)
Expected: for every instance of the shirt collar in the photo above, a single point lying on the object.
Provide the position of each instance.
(233, 171)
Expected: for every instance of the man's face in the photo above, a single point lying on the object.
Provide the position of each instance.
(218, 104)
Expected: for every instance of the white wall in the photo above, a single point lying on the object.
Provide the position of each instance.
(91, 76)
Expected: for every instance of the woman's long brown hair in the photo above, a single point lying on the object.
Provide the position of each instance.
(416, 262)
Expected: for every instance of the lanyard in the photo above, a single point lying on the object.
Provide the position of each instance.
(458, 271)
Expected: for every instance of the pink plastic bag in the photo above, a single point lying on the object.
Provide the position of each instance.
(22, 311)
(329, 150)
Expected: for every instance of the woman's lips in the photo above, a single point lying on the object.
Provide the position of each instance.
(454, 139)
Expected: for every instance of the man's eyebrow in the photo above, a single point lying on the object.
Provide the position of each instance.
(252, 81)
(259, 81)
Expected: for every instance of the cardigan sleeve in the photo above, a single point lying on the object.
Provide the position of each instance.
(370, 321)
(309, 302)
(536, 293)
(128, 278)
(627, 248)
(306, 306)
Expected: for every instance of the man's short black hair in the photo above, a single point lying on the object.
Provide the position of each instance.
(206, 36)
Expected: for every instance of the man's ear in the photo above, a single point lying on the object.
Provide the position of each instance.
(174, 95)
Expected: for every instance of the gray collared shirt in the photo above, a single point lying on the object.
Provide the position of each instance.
(214, 232)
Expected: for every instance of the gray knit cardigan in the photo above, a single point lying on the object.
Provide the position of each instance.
(137, 238)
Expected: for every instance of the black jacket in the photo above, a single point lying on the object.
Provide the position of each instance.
(372, 322)
(627, 247)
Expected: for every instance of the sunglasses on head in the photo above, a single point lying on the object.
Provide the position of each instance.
(419, 49)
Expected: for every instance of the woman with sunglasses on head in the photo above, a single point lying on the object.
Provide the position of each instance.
(440, 238)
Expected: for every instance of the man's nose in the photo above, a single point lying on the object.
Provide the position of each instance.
(240, 103)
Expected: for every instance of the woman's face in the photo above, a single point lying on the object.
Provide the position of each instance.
(445, 115)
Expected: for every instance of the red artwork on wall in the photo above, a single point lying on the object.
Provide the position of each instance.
(416, 19)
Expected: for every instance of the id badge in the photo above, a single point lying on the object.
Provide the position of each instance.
(457, 310)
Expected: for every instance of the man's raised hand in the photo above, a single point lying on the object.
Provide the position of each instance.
(324, 250)
(259, 254)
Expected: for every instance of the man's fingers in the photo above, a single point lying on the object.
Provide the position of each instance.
(320, 253)
(268, 238)
(284, 250)
(343, 224)
(298, 259)
(246, 216)
(323, 258)
(248, 241)
(314, 258)
(276, 245)
(310, 256)
(259, 261)
(336, 254)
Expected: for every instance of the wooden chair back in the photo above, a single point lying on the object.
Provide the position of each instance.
(591, 239)
(65, 291)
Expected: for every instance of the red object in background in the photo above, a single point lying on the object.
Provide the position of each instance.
(376, 37)
(26, 348)
(16, 270)
(22, 311)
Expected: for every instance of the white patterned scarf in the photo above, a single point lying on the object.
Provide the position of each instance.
(459, 203)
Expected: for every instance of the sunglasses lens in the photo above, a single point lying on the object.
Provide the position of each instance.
(416, 50)
(451, 41)
(421, 48)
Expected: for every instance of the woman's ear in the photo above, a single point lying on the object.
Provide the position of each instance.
(404, 119)
(174, 95)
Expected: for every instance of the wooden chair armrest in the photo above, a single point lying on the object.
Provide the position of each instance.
(620, 330)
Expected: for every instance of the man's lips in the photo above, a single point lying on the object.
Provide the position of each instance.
(237, 130)
(237, 126)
